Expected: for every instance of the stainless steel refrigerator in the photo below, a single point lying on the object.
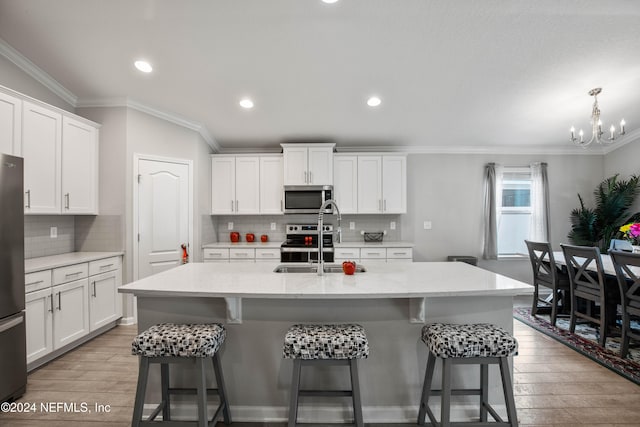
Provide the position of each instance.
(13, 352)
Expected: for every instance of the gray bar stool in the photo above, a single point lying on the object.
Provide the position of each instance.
(313, 345)
(167, 343)
(481, 344)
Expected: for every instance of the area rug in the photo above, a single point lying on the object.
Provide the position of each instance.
(585, 341)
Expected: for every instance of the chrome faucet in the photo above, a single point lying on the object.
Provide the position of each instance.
(325, 205)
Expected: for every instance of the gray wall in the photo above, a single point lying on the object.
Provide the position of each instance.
(624, 161)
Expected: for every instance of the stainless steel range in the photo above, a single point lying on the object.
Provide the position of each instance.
(302, 243)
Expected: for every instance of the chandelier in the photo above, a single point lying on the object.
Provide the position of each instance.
(597, 134)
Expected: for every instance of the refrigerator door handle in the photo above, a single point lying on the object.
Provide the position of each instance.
(11, 324)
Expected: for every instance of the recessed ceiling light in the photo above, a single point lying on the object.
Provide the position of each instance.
(143, 66)
(329, 1)
(374, 101)
(246, 103)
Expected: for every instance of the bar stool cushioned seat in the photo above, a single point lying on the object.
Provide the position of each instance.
(317, 345)
(180, 340)
(312, 342)
(471, 340)
(170, 343)
(480, 344)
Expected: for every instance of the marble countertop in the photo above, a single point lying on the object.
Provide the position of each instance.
(381, 280)
(47, 262)
(274, 244)
(244, 245)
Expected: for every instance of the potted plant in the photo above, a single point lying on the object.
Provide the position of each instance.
(597, 226)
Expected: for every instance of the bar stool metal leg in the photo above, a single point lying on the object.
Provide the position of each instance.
(222, 389)
(355, 390)
(508, 392)
(164, 380)
(140, 391)
(445, 403)
(484, 391)
(426, 389)
(295, 388)
(202, 393)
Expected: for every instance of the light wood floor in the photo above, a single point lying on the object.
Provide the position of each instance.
(554, 386)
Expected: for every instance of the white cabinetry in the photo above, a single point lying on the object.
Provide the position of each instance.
(241, 254)
(235, 185)
(345, 182)
(79, 167)
(382, 184)
(41, 149)
(216, 255)
(308, 164)
(10, 124)
(368, 253)
(267, 254)
(271, 191)
(65, 304)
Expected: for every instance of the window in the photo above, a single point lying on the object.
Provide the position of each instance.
(514, 211)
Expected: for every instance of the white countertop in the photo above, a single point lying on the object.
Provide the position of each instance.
(358, 244)
(47, 262)
(244, 245)
(382, 280)
(383, 244)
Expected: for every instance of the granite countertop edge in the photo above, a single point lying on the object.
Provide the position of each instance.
(32, 265)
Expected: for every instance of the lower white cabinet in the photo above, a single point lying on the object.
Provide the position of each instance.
(241, 254)
(67, 303)
(367, 253)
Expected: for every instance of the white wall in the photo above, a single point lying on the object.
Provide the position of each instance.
(447, 189)
(624, 161)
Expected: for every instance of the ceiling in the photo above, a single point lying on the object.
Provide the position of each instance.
(468, 76)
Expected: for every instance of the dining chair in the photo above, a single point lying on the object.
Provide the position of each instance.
(620, 245)
(628, 274)
(589, 284)
(547, 274)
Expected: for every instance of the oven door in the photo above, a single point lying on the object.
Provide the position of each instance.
(288, 254)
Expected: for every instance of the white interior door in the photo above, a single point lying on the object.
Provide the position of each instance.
(164, 217)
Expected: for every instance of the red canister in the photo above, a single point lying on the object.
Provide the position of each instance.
(234, 236)
(250, 237)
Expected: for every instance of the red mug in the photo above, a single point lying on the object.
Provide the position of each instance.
(264, 238)
(234, 236)
(250, 237)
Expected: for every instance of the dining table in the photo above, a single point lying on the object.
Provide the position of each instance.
(607, 264)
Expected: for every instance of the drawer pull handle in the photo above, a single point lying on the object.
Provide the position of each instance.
(94, 289)
(28, 193)
(34, 283)
(59, 301)
(51, 301)
(106, 266)
(73, 274)
(399, 253)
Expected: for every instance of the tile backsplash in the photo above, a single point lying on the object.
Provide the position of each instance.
(99, 233)
(261, 224)
(37, 232)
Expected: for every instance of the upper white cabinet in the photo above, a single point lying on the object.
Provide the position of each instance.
(235, 184)
(60, 152)
(79, 167)
(308, 164)
(41, 149)
(10, 124)
(271, 181)
(345, 182)
(370, 183)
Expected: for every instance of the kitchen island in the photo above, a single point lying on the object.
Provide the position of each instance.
(391, 300)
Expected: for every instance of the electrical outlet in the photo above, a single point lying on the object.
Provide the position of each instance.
(352, 225)
(273, 226)
(392, 226)
(427, 225)
(53, 232)
(230, 226)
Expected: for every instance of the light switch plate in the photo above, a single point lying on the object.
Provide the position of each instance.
(427, 225)
(273, 226)
(352, 225)
(392, 226)
(230, 226)
(53, 232)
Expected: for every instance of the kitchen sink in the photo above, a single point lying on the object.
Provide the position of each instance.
(306, 268)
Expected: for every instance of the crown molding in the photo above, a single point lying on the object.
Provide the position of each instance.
(523, 150)
(152, 111)
(37, 73)
(629, 137)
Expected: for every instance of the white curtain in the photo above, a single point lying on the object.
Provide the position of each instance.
(539, 226)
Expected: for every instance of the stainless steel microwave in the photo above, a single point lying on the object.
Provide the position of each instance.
(306, 199)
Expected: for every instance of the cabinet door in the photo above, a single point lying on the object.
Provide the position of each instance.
(394, 184)
(369, 184)
(105, 304)
(295, 166)
(79, 167)
(247, 185)
(70, 312)
(41, 139)
(39, 323)
(345, 178)
(10, 125)
(271, 191)
(320, 165)
(223, 184)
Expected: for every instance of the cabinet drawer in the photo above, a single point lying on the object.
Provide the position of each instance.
(270, 254)
(347, 253)
(216, 253)
(104, 265)
(70, 273)
(396, 253)
(378, 253)
(236, 253)
(36, 281)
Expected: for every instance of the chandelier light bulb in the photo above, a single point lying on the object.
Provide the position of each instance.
(596, 126)
(246, 103)
(374, 101)
(622, 123)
